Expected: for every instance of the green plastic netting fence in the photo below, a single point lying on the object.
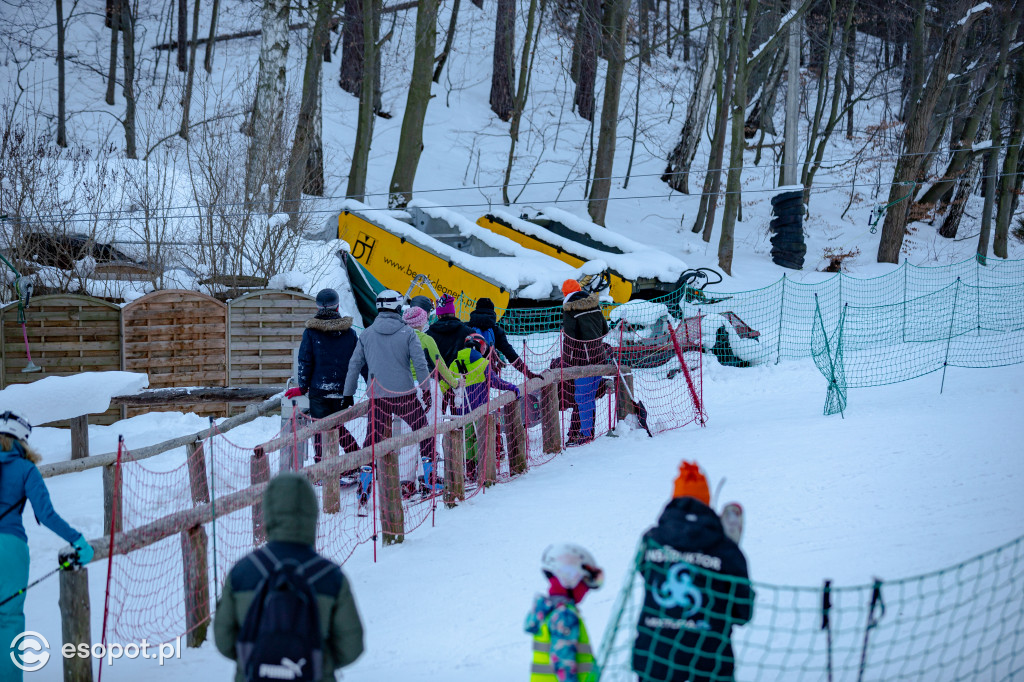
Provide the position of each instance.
(965, 622)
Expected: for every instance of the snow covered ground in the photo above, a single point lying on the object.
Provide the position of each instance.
(908, 482)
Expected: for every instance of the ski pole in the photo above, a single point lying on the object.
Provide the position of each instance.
(65, 565)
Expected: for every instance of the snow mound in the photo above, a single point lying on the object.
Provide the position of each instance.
(58, 398)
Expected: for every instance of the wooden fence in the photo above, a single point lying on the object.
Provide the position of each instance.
(179, 338)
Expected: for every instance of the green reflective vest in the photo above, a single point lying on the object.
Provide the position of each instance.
(543, 671)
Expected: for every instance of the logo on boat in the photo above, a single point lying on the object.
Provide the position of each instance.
(363, 247)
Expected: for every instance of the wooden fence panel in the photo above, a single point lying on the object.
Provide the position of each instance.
(265, 328)
(180, 339)
(67, 334)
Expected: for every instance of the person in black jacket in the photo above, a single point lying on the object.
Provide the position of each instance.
(448, 331)
(484, 321)
(327, 345)
(696, 588)
(584, 327)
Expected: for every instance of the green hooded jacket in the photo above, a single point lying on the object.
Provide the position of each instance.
(290, 512)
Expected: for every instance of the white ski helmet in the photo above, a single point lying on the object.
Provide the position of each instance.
(390, 300)
(571, 564)
(14, 425)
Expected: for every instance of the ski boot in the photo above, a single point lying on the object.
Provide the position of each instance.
(428, 485)
(365, 488)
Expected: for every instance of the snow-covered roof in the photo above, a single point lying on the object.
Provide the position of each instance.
(524, 272)
(635, 260)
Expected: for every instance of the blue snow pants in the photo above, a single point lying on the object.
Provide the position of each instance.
(585, 392)
(13, 577)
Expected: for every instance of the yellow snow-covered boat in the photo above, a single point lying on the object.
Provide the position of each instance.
(458, 257)
(634, 270)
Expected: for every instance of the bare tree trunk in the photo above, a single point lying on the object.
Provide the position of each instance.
(115, 27)
(851, 55)
(522, 91)
(913, 66)
(503, 72)
(992, 162)
(964, 188)
(713, 180)
(296, 178)
(128, 43)
(588, 38)
(62, 135)
(364, 127)
(604, 163)
(1010, 181)
(449, 38)
(645, 31)
(730, 212)
(350, 77)
(182, 35)
(677, 172)
(186, 100)
(410, 143)
(314, 183)
(908, 167)
(763, 108)
(268, 110)
(686, 29)
(208, 53)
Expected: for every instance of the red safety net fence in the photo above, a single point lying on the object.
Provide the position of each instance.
(383, 467)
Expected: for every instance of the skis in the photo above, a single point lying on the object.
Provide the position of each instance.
(732, 521)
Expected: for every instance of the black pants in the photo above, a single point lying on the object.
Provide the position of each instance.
(320, 407)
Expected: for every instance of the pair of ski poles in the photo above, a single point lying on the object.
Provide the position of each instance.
(65, 565)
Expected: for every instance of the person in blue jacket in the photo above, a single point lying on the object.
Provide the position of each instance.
(21, 482)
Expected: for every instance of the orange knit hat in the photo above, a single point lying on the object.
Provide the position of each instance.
(570, 286)
(691, 483)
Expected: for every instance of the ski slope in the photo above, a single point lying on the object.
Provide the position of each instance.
(910, 481)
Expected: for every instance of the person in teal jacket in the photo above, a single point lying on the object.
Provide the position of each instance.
(21, 482)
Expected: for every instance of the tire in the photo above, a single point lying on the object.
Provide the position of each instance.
(783, 210)
(785, 197)
(797, 264)
(789, 247)
(776, 223)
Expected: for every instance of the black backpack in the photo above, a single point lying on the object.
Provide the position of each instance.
(280, 638)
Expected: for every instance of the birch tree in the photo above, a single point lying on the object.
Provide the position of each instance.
(268, 110)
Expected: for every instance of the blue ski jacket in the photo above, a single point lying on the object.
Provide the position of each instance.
(20, 480)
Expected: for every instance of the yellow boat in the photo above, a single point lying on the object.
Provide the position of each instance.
(459, 258)
(635, 271)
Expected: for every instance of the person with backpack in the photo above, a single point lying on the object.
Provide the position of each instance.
(21, 482)
(416, 317)
(584, 328)
(484, 321)
(287, 613)
(326, 349)
(392, 353)
(561, 644)
(696, 589)
(448, 331)
(472, 366)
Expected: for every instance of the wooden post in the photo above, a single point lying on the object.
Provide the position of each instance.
(624, 394)
(516, 438)
(112, 488)
(197, 585)
(454, 446)
(487, 456)
(196, 457)
(259, 472)
(550, 424)
(80, 437)
(75, 616)
(331, 486)
(392, 516)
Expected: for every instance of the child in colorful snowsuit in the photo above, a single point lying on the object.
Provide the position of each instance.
(472, 364)
(561, 645)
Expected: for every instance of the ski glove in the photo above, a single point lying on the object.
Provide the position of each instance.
(347, 401)
(85, 550)
(293, 392)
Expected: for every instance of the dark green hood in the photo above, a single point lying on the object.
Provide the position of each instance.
(290, 509)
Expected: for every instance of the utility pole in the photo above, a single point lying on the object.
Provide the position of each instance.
(792, 101)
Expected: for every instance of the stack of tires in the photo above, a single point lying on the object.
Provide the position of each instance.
(788, 248)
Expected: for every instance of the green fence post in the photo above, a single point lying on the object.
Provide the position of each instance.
(904, 301)
(949, 337)
(782, 307)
